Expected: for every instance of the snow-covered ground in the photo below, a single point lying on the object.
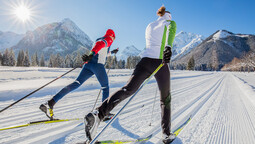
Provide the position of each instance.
(221, 104)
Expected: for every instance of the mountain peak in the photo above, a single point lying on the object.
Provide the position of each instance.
(131, 47)
(63, 37)
(182, 32)
(221, 34)
(67, 20)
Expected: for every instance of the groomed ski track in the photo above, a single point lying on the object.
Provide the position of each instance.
(221, 104)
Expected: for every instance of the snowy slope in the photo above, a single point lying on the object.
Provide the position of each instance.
(221, 104)
(62, 38)
(184, 42)
(9, 39)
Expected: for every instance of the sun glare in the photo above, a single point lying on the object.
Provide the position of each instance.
(23, 13)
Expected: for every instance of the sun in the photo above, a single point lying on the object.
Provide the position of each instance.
(22, 13)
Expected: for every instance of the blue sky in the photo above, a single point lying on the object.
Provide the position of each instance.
(129, 18)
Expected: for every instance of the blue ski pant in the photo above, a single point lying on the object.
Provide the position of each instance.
(87, 71)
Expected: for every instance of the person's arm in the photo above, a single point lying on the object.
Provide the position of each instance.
(98, 46)
(167, 54)
(171, 34)
(106, 42)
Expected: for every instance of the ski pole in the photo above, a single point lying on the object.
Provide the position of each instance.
(123, 107)
(101, 88)
(37, 89)
(153, 106)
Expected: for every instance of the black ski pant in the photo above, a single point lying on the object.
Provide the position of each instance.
(142, 71)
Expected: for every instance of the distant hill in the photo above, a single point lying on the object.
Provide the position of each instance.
(9, 39)
(128, 51)
(63, 37)
(219, 49)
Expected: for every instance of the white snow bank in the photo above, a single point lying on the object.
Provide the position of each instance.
(247, 89)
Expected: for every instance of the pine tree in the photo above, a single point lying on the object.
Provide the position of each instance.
(108, 64)
(136, 60)
(35, 60)
(59, 61)
(68, 61)
(12, 60)
(111, 62)
(191, 63)
(115, 62)
(5, 59)
(209, 67)
(128, 64)
(132, 61)
(26, 59)
(20, 58)
(42, 61)
(52, 61)
(1, 58)
(78, 60)
(121, 64)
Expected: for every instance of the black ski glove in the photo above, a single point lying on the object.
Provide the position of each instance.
(87, 58)
(167, 54)
(115, 51)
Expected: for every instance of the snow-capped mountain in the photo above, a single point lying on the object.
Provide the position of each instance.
(63, 37)
(9, 39)
(219, 49)
(184, 42)
(128, 51)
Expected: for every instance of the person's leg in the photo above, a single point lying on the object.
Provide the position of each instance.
(163, 80)
(139, 75)
(102, 77)
(83, 76)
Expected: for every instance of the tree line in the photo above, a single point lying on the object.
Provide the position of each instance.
(246, 64)
(191, 65)
(8, 58)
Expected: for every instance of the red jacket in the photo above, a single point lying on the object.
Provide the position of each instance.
(105, 42)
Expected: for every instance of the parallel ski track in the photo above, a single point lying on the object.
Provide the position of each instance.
(234, 122)
(189, 110)
(85, 104)
(194, 106)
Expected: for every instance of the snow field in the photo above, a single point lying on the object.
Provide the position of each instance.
(221, 105)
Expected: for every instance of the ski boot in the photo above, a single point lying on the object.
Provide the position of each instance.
(47, 108)
(167, 139)
(108, 117)
(91, 121)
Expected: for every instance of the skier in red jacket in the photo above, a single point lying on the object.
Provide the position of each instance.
(94, 65)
